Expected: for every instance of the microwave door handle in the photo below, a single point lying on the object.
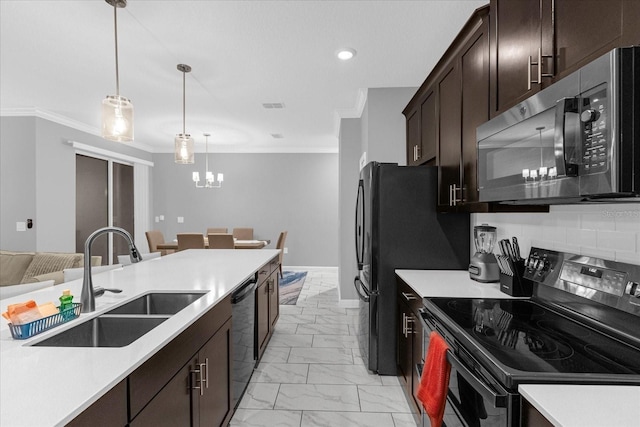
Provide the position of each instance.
(563, 106)
(497, 400)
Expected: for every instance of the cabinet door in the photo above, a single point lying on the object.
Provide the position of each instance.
(449, 144)
(262, 316)
(109, 410)
(428, 128)
(474, 65)
(417, 332)
(414, 145)
(214, 404)
(586, 29)
(516, 36)
(404, 345)
(274, 299)
(172, 405)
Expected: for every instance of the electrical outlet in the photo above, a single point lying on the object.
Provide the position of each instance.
(286, 250)
(161, 217)
(180, 219)
(21, 226)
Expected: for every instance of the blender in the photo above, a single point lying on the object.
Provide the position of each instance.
(484, 266)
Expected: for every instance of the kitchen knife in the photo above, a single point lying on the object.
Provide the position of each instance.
(516, 248)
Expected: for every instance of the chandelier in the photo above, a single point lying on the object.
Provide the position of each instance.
(210, 181)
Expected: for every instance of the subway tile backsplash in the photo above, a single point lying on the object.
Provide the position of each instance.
(609, 231)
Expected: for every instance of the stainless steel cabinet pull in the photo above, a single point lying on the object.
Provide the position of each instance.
(408, 296)
(410, 329)
(198, 373)
(404, 325)
(204, 368)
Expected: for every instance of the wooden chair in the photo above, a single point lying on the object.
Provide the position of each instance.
(243, 233)
(280, 245)
(212, 230)
(190, 241)
(221, 241)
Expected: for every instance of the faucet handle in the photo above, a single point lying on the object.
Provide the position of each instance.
(99, 291)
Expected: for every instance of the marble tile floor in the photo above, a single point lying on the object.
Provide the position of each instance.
(312, 374)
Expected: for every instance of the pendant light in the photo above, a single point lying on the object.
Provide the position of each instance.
(117, 111)
(183, 141)
(210, 181)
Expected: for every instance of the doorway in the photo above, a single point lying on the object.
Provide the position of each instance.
(104, 197)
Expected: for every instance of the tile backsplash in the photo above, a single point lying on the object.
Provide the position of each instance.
(609, 231)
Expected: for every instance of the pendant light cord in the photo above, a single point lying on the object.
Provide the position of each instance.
(184, 101)
(115, 25)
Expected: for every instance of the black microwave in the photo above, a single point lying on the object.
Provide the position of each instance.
(576, 141)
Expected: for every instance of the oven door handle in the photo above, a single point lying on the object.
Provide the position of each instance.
(496, 399)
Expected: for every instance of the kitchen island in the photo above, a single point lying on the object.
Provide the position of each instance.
(52, 385)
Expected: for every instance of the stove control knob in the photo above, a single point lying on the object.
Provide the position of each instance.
(635, 290)
(589, 116)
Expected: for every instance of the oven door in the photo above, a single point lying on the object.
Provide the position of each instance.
(473, 400)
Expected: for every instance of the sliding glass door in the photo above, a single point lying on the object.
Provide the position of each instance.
(104, 197)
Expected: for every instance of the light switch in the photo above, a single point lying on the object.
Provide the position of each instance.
(286, 250)
(180, 219)
(157, 219)
(21, 226)
(161, 217)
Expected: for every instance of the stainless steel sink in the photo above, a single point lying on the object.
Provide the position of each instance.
(104, 331)
(158, 303)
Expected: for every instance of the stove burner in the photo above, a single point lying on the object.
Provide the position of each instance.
(546, 347)
(564, 328)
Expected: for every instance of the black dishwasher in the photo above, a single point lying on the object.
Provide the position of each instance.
(243, 302)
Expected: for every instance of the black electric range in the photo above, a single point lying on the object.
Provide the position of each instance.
(581, 325)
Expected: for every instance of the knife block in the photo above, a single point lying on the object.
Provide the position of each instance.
(516, 285)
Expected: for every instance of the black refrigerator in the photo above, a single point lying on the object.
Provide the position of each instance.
(397, 227)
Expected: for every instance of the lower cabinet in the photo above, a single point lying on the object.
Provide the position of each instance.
(410, 343)
(187, 383)
(267, 304)
(109, 410)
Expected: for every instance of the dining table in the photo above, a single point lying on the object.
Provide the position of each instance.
(238, 243)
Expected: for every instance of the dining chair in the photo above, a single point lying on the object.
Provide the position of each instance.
(280, 246)
(243, 233)
(190, 241)
(221, 241)
(212, 230)
(155, 238)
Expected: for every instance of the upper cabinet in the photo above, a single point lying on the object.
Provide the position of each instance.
(506, 52)
(535, 43)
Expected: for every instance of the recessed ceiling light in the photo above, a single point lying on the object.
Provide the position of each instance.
(346, 53)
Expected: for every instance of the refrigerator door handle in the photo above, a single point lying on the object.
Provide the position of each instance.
(358, 284)
(359, 225)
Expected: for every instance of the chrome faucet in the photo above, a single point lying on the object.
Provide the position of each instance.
(87, 298)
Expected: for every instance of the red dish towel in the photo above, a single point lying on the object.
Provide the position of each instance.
(434, 381)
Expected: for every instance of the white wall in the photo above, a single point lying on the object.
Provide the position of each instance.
(269, 192)
(609, 231)
(39, 182)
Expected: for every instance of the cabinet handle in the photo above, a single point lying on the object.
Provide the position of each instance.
(198, 374)
(404, 325)
(204, 368)
(408, 296)
(454, 192)
(409, 322)
(539, 65)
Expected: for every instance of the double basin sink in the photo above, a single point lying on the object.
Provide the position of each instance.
(123, 325)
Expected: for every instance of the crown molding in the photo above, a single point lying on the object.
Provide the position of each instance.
(64, 121)
(350, 113)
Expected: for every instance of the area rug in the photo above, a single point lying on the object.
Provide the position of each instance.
(290, 286)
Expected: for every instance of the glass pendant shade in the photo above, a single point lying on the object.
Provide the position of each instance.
(184, 149)
(117, 119)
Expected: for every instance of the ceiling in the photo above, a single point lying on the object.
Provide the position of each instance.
(57, 61)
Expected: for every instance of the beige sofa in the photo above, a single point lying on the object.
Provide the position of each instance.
(29, 267)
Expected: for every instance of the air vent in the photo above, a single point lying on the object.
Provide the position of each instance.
(273, 105)
(277, 135)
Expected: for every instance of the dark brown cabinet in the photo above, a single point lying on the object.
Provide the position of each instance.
(410, 343)
(267, 304)
(110, 410)
(449, 141)
(535, 43)
(421, 130)
(188, 381)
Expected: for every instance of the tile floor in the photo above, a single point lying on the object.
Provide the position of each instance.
(312, 373)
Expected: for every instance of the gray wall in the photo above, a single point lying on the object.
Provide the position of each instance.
(38, 181)
(269, 192)
(380, 132)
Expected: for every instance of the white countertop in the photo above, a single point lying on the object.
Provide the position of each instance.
(42, 386)
(566, 405)
(449, 283)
